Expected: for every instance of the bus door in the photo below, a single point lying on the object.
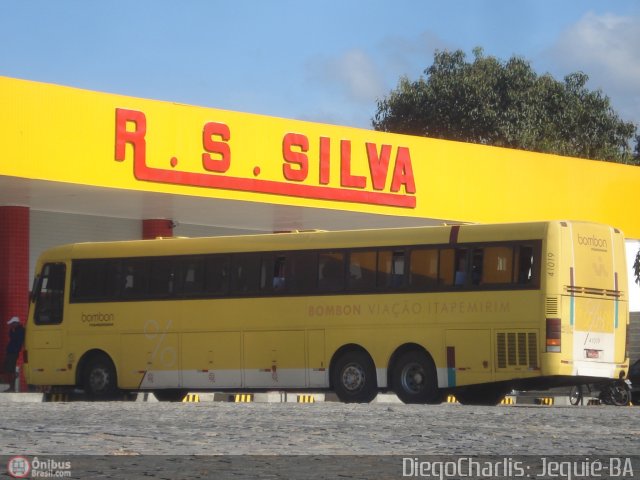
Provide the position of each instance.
(48, 363)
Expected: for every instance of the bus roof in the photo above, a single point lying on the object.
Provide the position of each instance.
(300, 241)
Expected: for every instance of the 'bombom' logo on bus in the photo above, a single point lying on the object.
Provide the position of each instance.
(593, 242)
(99, 318)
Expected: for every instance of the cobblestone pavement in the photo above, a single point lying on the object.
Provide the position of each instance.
(323, 429)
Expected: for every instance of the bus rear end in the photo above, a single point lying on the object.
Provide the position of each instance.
(586, 304)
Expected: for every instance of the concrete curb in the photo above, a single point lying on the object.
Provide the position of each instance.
(283, 397)
(13, 397)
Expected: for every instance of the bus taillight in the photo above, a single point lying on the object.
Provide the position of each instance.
(554, 331)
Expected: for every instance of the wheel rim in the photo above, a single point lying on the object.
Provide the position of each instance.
(98, 380)
(413, 378)
(353, 377)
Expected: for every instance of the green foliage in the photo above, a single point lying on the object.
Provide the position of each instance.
(507, 104)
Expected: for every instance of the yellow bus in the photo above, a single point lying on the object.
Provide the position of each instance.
(473, 310)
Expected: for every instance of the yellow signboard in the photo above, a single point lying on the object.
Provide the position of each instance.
(277, 160)
(63, 134)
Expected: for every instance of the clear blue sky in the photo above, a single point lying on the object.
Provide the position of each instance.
(323, 60)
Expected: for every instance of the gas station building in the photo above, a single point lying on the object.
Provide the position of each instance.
(78, 165)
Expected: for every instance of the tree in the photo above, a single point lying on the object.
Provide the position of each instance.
(507, 104)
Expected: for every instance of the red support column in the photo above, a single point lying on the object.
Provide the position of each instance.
(153, 228)
(14, 271)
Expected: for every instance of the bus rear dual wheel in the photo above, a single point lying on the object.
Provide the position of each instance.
(414, 378)
(354, 377)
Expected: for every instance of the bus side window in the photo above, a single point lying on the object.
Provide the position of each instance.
(245, 274)
(217, 275)
(302, 272)
(279, 279)
(424, 268)
(461, 266)
(498, 265)
(50, 295)
(477, 266)
(447, 269)
(161, 278)
(135, 278)
(391, 269)
(89, 281)
(331, 271)
(191, 273)
(362, 270)
(524, 265)
(272, 273)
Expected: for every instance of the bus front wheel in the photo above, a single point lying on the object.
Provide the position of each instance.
(99, 380)
(354, 378)
(414, 378)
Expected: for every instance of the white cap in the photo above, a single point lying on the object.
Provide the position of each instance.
(13, 320)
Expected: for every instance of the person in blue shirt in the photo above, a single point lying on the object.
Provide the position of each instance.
(16, 340)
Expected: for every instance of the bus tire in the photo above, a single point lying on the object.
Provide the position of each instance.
(354, 377)
(99, 378)
(414, 378)
(575, 395)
